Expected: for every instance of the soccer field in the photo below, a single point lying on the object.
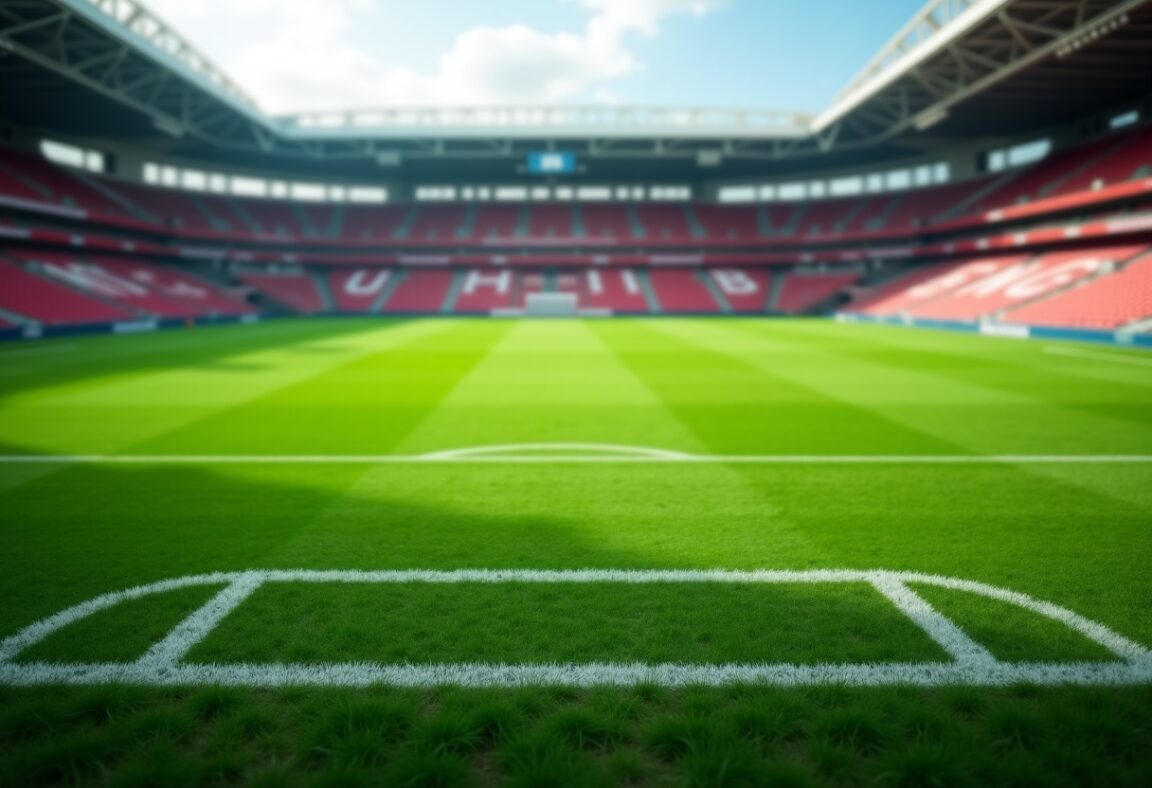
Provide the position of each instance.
(549, 552)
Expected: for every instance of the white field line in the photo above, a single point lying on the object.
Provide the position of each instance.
(1056, 350)
(950, 637)
(169, 651)
(592, 674)
(973, 665)
(606, 450)
(440, 458)
(35, 351)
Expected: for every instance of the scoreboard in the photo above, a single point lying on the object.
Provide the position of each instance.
(552, 162)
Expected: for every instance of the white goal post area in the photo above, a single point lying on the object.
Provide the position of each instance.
(551, 304)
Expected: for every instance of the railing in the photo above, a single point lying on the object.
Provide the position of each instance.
(137, 19)
(929, 22)
(566, 118)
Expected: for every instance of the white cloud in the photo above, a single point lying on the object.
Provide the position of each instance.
(301, 59)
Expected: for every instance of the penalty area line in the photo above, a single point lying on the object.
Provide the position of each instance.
(561, 459)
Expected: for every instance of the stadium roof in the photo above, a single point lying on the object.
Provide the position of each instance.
(960, 67)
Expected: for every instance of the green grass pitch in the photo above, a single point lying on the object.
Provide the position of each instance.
(645, 445)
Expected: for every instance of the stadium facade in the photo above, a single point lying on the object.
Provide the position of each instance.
(990, 169)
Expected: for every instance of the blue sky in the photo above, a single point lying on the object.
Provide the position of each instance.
(296, 55)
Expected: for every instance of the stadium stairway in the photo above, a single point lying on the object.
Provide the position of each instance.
(377, 306)
(240, 211)
(706, 278)
(336, 220)
(967, 204)
(291, 292)
(636, 226)
(467, 223)
(764, 220)
(694, 226)
(14, 318)
(1142, 326)
(453, 295)
(1071, 174)
(31, 186)
(649, 292)
(523, 221)
(810, 293)
(878, 221)
(218, 223)
(793, 224)
(404, 228)
(303, 219)
(114, 196)
(840, 225)
(578, 229)
(325, 290)
(772, 303)
(875, 285)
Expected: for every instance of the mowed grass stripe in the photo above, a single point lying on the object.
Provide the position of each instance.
(549, 382)
(138, 401)
(1012, 366)
(613, 403)
(365, 401)
(96, 529)
(977, 418)
(122, 633)
(1075, 535)
(739, 405)
(1054, 412)
(528, 623)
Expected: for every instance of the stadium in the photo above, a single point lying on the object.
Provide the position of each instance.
(556, 443)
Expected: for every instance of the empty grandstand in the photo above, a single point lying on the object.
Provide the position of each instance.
(762, 228)
(482, 437)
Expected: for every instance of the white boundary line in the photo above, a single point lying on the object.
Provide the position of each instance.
(592, 674)
(937, 626)
(605, 450)
(1056, 350)
(656, 457)
(169, 651)
(35, 351)
(972, 663)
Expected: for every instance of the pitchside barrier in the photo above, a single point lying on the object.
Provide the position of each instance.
(1011, 331)
(1021, 332)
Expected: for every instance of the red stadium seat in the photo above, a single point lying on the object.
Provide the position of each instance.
(618, 290)
(52, 303)
(420, 291)
(681, 290)
(1012, 282)
(802, 291)
(482, 290)
(745, 290)
(295, 290)
(1108, 302)
(918, 289)
(359, 290)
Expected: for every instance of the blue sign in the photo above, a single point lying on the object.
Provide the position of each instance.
(552, 162)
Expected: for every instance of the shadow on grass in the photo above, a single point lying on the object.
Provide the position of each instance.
(84, 530)
(204, 347)
(72, 532)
